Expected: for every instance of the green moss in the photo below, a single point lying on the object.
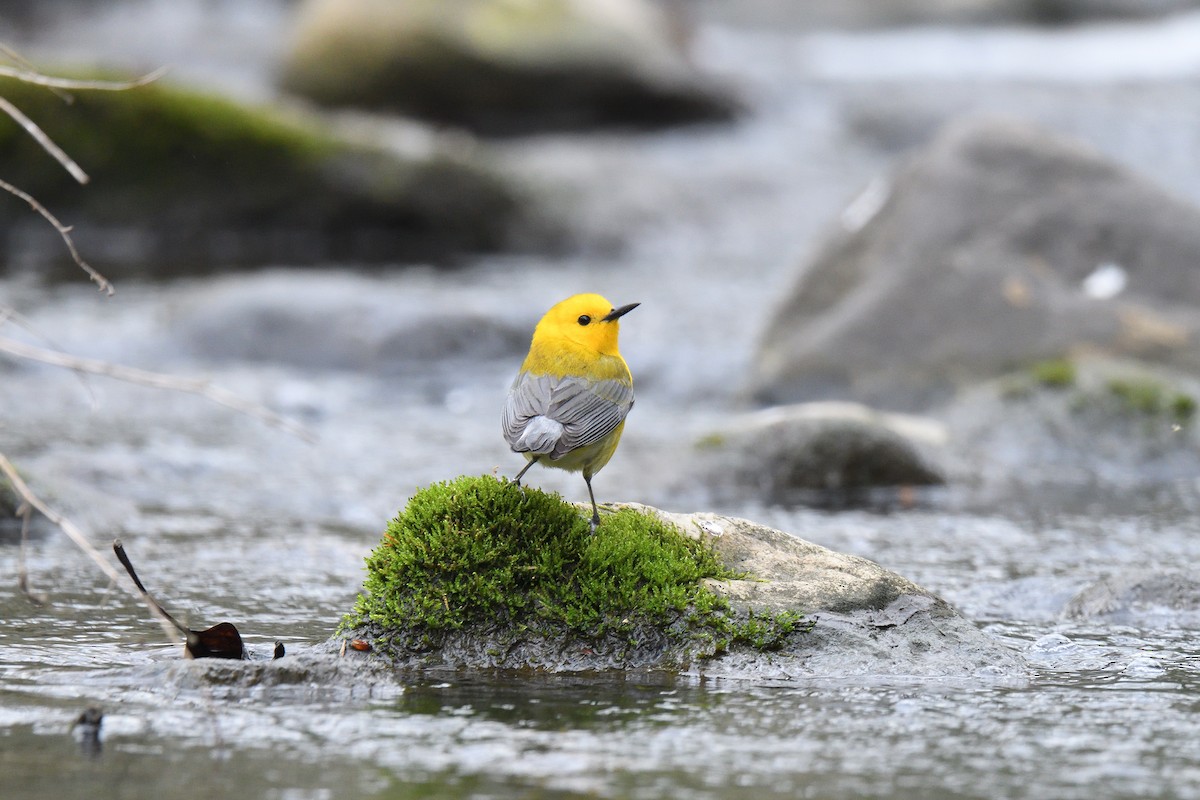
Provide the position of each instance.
(1138, 395)
(1183, 407)
(1149, 397)
(1058, 373)
(206, 180)
(476, 551)
(157, 135)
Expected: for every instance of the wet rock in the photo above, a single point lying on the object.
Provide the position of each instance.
(86, 731)
(997, 246)
(500, 67)
(187, 182)
(819, 453)
(1079, 435)
(867, 621)
(1135, 594)
(313, 672)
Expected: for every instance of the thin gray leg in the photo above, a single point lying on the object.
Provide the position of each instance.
(532, 461)
(595, 511)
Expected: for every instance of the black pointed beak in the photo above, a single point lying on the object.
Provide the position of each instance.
(617, 313)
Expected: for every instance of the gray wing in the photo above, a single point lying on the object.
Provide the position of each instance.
(538, 406)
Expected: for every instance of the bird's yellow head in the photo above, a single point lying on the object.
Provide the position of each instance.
(587, 320)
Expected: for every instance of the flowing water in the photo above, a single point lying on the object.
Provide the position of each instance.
(400, 374)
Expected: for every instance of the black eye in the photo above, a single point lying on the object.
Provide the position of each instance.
(584, 319)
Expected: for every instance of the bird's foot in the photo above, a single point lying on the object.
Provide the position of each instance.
(595, 521)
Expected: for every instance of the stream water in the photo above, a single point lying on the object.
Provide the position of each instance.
(228, 519)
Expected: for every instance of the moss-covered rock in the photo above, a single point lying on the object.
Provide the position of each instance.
(1120, 432)
(182, 180)
(478, 572)
(477, 554)
(499, 67)
(1152, 398)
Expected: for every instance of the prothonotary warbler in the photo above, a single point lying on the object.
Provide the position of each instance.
(567, 407)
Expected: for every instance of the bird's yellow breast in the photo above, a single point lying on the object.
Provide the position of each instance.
(562, 358)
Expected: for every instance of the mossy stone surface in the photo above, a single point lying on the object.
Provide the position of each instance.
(1150, 397)
(204, 182)
(1055, 373)
(515, 568)
(477, 573)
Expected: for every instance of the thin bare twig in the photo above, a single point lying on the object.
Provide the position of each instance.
(27, 65)
(8, 313)
(157, 380)
(32, 76)
(65, 232)
(45, 141)
(25, 511)
(76, 535)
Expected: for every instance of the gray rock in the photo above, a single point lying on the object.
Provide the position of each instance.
(500, 67)
(1105, 434)
(868, 621)
(818, 453)
(324, 672)
(997, 246)
(868, 14)
(1134, 594)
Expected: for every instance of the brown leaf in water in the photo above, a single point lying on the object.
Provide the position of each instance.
(220, 641)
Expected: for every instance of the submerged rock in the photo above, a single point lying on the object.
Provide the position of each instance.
(819, 453)
(500, 67)
(477, 573)
(997, 246)
(1136, 594)
(189, 182)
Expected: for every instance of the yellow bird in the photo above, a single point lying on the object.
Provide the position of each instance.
(567, 407)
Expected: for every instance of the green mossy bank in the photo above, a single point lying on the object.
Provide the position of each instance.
(515, 577)
(183, 181)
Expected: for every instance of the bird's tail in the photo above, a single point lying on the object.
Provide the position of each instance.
(540, 437)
